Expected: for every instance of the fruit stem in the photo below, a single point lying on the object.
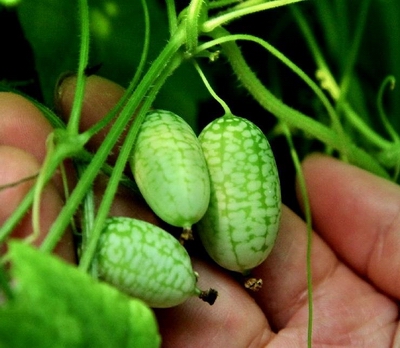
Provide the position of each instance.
(253, 284)
(209, 296)
(224, 105)
(186, 235)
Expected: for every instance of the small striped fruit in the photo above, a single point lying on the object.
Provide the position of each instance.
(170, 170)
(148, 263)
(240, 226)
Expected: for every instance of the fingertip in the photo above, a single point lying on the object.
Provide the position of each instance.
(22, 125)
(101, 95)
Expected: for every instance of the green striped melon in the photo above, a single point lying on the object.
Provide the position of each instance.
(241, 224)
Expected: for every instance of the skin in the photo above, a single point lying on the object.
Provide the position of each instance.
(355, 250)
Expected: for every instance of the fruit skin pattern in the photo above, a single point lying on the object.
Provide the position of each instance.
(146, 262)
(170, 169)
(240, 226)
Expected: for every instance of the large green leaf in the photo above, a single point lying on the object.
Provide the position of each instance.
(56, 305)
(51, 27)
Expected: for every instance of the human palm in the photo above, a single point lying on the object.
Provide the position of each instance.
(355, 250)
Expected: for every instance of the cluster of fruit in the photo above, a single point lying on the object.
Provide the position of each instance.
(225, 181)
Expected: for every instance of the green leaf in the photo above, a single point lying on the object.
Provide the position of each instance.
(51, 27)
(56, 305)
(9, 2)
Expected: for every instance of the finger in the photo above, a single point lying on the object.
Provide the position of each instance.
(234, 320)
(23, 126)
(101, 95)
(346, 308)
(358, 214)
(18, 172)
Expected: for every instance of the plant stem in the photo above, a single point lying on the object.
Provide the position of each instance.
(230, 15)
(74, 120)
(221, 102)
(388, 81)
(329, 81)
(352, 56)
(222, 3)
(308, 218)
(192, 24)
(172, 18)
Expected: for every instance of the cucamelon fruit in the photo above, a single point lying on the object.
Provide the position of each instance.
(241, 223)
(147, 262)
(170, 170)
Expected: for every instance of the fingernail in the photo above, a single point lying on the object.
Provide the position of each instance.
(93, 69)
(60, 85)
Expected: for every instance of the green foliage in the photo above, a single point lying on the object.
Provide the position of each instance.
(377, 57)
(56, 305)
(117, 36)
(52, 29)
(9, 2)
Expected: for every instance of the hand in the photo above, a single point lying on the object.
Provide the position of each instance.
(355, 250)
